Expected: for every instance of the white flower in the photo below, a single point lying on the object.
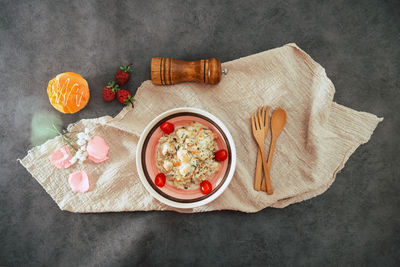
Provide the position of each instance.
(80, 142)
(81, 136)
(73, 160)
(87, 137)
(78, 153)
(86, 131)
(83, 148)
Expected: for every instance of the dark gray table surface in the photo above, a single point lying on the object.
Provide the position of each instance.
(356, 222)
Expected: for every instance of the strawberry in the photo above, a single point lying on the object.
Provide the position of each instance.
(109, 91)
(125, 97)
(122, 75)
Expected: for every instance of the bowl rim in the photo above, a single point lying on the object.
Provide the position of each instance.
(140, 171)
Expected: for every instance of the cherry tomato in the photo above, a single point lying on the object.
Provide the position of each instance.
(160, 180)
(205, 187)
(167, 127)
(221, 155)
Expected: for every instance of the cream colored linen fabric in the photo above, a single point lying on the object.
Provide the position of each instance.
(319, 137)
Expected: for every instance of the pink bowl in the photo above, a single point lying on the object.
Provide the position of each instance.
(146, 158)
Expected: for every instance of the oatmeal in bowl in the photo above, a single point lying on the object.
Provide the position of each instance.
(185, 157)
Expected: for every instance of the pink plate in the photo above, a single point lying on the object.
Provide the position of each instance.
(147, 152)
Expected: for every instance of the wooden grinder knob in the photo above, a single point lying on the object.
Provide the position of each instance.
(166, 71)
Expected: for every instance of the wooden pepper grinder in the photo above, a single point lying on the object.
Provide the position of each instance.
(166, 71)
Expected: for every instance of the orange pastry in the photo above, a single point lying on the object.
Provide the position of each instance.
(68, 92)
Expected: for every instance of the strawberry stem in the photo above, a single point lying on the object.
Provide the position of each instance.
(126, 68)
(130, 100)
(115, 88)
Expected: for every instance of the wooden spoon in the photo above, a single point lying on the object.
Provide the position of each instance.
(278, 121)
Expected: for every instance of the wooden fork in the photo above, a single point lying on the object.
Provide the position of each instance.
(259, 127)
(258, 174)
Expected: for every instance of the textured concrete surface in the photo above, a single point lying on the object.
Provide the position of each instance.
(356, 222)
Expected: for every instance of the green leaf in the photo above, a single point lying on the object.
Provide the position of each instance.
(111, 84)
(126, 68)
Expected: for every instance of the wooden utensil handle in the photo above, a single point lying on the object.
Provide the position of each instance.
(267, 178)
(166, 71)
(270, 155)
(258, 173)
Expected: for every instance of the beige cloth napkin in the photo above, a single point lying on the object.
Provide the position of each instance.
(319, 137)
